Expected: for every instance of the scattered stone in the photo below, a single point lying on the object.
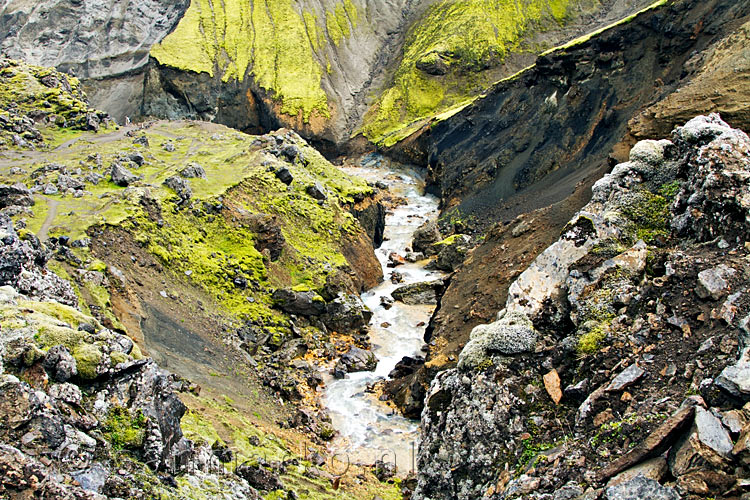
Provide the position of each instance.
(284, 175)
(424, 237)
(60, 363)
(655, 444)
(317, 191)
(137, 158)
(640, 488)
(714, 282)
(552, 385)
(15, 195)
(141, 140)
(181, 187)
(355, 360)
(386, 302)
(384, 470)
(258, 476)
(305, 303)
(121, 175)
(451, 252)
(395, 260)
(655, 468)
(626, 378)
(50, 189)
(193, 171)
(735, 379)
(706, 442)
(222, 452)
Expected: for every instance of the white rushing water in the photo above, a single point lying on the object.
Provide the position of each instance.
(369, 429)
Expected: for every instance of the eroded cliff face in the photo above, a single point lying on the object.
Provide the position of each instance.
(91, 39)
(329, 69)
(539, 133)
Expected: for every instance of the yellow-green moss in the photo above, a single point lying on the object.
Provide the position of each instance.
(21, 87)
(88, 357)
(590, 342)
(470, 36)
(125, 429)
(270, 38)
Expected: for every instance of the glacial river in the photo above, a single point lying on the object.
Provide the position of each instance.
(368, 428)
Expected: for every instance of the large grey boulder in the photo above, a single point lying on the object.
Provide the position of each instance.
(426, 292)
(424, 237)
(513, 333)
(121, 175)
(452, 251)
(305, 303)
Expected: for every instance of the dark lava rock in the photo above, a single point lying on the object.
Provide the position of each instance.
(317, 191)
(222, 452)
(304, 303)
(426, 292)
(193, 170)
(259, 477)
(346, 313)
(452, 252)
(15, 195)
(60, 363)
(406, 366)
(122, 176)
(284, 175)
(355, 360)
(181, 187)
(292, 152)
(384, 470)
(424, 237)
(137, 158)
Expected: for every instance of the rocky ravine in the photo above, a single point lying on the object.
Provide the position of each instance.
(517, 181)
(620, 351)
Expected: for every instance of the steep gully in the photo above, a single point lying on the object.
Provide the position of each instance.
(370, 430)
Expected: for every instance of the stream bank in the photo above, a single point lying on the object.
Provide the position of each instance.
(368, 428)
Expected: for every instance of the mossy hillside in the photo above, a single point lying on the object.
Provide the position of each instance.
(47, 324)
(468, 38)
(28, 90)
(277, 43)
(207, 247)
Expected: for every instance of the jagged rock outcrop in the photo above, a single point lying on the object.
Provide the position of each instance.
(621, 338)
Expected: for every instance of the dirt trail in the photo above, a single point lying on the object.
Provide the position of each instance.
(51, 214)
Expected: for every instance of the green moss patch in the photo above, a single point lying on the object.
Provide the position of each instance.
(125, 429)
(451, 55)
(272, 40)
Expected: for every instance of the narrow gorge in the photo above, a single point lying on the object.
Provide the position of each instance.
(375, 249)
